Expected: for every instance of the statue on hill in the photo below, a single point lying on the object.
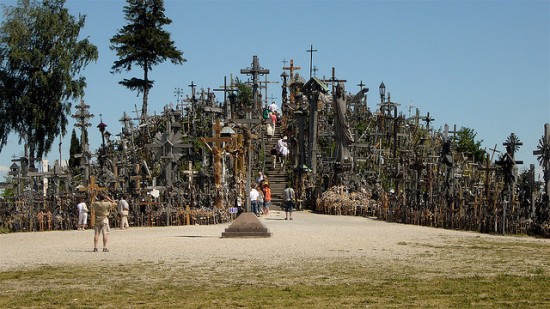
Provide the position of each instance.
(343, 135)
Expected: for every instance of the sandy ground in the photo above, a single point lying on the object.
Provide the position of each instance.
(308, 237)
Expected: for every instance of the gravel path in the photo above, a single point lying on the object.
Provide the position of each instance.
(309, 236)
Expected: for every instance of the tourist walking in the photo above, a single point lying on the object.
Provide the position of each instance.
(289, 197)
(274, 154)
(123, 210)
(102, 210)
(82, 215)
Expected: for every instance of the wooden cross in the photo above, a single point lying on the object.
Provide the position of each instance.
(217, 152)
(291, 69)
(93, 189)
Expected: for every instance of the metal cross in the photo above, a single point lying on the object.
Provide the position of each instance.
(427, 119)
(333, 79)
(255, 70)
(310, 51)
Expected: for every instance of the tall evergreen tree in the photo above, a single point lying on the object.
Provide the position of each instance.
(76, 148)
(144, 43)
(41, 58)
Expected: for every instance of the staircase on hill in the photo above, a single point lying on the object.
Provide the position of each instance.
(277, 177)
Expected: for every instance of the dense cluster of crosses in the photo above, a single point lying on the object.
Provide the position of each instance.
(196, 161)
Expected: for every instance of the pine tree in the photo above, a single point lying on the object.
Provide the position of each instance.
(76, 148)
(144, 43)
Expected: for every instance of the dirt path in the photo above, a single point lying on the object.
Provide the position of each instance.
(309, 237)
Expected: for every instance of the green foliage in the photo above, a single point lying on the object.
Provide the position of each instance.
(76, 148)
(465, 141)
(143, 43)
(41, 58)
(244, 94)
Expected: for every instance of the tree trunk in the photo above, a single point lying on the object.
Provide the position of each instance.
(145, 92)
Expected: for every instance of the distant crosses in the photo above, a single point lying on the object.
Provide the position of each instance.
(361, 85)
(508, 161)
(315, 69)
(264, 86)
(410, 106)
(284, 62)
(311, 51)
(427, 119)
(255, 70)
(231, 88)
(178, 92)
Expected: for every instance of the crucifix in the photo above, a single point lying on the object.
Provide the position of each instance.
(291, 69)
(217, 153)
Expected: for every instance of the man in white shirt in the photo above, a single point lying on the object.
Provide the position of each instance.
(123, 210)
(254, 195)
(273, 107)
(82, 215)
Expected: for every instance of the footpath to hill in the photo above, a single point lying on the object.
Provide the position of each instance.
(308, 238)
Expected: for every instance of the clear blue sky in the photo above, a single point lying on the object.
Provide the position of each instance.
(478, 64)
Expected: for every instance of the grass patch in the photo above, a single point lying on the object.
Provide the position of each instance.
(316, 284)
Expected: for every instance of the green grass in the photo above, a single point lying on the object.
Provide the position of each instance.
(473, 273)
(234, 284)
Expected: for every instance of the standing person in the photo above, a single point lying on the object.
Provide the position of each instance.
(254, 195)
(267, 197)
(123, 210)
(82, 214)
(289, 197)
(281, 143)
(273, 107)
(260, 178)
(273, 118)
(273, 154)
(270, 131)
(102, 210)
(284, 155)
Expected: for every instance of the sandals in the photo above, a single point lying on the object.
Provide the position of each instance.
(105, 250)
(95, 249)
